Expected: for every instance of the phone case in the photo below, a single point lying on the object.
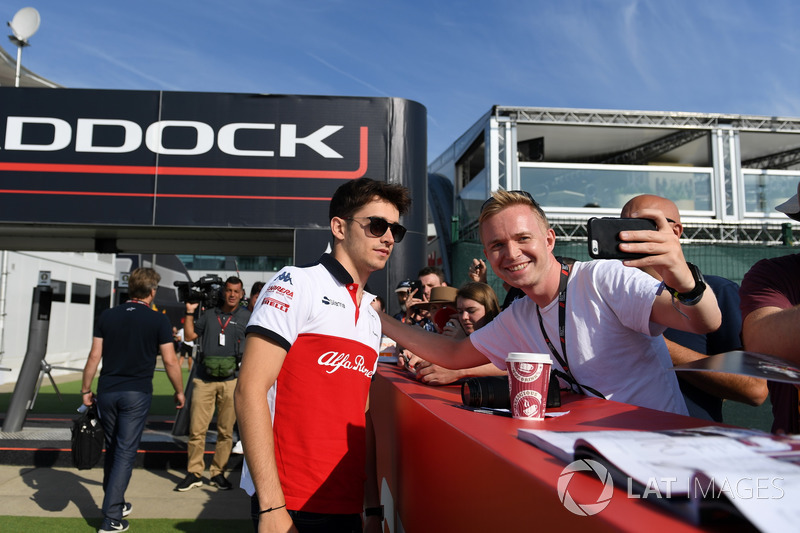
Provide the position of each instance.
(604, 236)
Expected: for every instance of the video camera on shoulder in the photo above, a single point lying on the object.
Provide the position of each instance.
(206, 291)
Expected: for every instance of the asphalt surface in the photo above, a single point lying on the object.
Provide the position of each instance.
(59, 492)
(37, 478)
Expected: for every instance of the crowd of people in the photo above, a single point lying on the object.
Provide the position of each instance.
(310, 465)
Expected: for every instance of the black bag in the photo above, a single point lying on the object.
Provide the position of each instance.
(87, 439)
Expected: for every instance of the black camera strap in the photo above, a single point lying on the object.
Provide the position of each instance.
(566, 264)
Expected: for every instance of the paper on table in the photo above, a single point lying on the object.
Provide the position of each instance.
(747, 364)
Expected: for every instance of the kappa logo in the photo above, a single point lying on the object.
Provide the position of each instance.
(328, 301)
(285, 276)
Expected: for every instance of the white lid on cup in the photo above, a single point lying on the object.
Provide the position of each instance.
(523, 357)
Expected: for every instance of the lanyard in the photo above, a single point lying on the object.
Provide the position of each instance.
(223, 326)
(562, 330)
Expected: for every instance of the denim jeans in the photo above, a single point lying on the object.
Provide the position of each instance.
(123, 416)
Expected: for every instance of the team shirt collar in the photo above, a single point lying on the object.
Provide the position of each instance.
(336, 269)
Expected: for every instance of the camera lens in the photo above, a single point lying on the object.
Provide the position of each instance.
(490, 391)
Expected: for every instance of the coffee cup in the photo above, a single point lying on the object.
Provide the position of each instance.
(528, 382)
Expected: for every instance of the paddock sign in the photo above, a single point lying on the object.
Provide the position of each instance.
(151, 158)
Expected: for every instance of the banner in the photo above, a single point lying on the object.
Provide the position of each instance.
(183, 159)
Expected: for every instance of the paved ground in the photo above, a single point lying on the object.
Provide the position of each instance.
(68, 492)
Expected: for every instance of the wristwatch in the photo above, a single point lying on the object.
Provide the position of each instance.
(695, 295)
(374, 511)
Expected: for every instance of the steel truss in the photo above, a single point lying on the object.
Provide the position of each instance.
(602, 117)
(772, 234)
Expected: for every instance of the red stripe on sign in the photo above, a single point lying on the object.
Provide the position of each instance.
(150, 195)
(200, 171)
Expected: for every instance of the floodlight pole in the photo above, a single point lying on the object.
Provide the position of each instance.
(21, 43)
(19, 62)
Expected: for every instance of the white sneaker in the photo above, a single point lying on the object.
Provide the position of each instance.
(238, 448)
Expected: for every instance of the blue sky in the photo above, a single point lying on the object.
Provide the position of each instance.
(458, 58)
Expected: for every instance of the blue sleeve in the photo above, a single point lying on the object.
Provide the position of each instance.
(164, 331)
(728, 336)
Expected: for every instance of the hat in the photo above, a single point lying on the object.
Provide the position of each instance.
(403, 286)
(440, 296)
(791, 207)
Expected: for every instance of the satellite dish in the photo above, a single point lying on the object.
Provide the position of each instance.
(25, 23)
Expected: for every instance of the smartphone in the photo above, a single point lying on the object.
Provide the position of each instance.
(604, 236)
(416, 285)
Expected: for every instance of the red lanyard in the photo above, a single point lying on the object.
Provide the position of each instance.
(226, 322)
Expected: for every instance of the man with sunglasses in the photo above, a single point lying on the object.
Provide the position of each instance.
(611, 316)
(302, 400)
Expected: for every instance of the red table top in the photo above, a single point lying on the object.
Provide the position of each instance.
(452, 469)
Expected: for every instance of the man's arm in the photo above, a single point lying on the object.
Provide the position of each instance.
(371, 493)
(261, 364)
(774, 331)
(665, 256)
(438, 375)
(173, 369)
(745, 389)
(439, 349)
(90, 369)
(188, 323)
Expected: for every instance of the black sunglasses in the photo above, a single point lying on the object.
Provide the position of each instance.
(526, 194)
(378, 227)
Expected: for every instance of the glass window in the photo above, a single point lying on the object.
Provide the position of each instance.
(59, 290)
(102, 297)
(81, 294)
(574, 187)
(764, 189)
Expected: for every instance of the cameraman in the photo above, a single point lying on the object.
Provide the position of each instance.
(221, 331)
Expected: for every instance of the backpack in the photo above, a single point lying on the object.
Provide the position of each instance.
(88, 439)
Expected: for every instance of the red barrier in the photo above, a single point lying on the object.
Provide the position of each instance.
(442, 468)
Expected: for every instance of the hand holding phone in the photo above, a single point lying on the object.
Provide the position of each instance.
(416, 285)
(603, 236)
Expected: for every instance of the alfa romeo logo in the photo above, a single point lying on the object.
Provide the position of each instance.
(590, 508)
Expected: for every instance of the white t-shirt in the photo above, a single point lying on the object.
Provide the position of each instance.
(611, 344)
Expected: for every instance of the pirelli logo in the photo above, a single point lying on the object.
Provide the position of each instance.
(276, 304)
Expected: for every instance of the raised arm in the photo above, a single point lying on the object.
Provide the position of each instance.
(261, 364)
(665, 256)
(438, 349)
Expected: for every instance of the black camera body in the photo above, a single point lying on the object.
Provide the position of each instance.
(206, 291)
